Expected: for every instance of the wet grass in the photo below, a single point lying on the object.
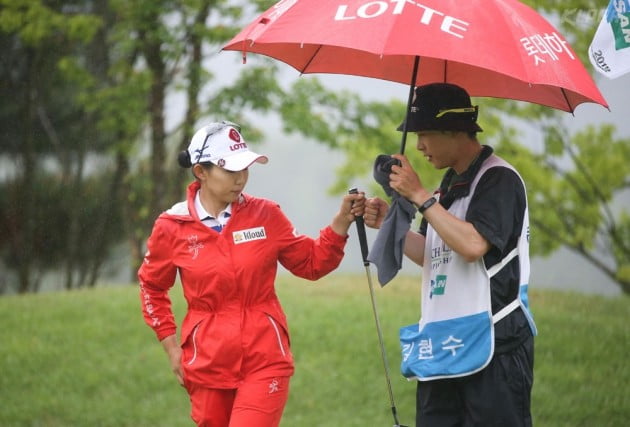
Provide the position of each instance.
(85, 358)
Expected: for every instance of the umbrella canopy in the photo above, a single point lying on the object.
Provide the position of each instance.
(493, 48)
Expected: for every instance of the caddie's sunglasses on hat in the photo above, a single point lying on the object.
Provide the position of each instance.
(457, 110)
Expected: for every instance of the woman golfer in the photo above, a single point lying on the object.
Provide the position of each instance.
(234, 360)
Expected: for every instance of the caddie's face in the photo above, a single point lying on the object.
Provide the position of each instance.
(222, 185)
(438, 147)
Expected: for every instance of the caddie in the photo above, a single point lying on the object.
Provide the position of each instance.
(472, 351)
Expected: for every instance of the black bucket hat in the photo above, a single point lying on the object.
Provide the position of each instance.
(442, 106)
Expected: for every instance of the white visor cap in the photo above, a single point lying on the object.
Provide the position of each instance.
(222, 144)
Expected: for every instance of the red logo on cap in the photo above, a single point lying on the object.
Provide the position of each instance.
(234, 135)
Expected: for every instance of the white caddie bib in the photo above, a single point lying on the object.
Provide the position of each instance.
(455, 336)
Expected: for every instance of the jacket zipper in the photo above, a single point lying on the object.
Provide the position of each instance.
(275, 327)
(194, 343)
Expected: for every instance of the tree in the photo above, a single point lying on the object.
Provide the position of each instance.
(91, 83)
(49, 137)
(163, 42)
(574, 185)
(577, 179)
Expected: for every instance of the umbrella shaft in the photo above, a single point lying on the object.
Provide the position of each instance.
(412, 88)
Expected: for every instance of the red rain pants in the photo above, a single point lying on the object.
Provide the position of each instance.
(257, 403)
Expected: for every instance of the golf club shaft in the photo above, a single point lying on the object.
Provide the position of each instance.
(381, 345)
(364, 253)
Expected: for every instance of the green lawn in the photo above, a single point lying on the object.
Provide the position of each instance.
(85, 358)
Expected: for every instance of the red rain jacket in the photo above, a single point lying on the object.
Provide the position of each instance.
(234, 326)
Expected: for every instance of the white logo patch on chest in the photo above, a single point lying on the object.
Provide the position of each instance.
(244, 236)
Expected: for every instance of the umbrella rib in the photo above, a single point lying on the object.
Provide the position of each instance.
(303, 70)
(445, 70)
(566, 98)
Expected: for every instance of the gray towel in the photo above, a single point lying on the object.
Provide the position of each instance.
(388, 248)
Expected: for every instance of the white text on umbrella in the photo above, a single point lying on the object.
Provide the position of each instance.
(374, 9)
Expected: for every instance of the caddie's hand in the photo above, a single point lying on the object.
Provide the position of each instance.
(406, 182)
(375, 212)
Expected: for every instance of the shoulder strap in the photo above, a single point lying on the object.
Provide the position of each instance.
(494, 270)
(499, 265)
(506, 310)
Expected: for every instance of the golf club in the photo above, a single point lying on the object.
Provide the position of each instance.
(366, 264)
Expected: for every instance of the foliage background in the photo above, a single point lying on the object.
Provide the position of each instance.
(98, 97)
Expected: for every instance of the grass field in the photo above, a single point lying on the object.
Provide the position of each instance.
(85, 358)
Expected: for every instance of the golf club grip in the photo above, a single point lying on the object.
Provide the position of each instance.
(361, 232)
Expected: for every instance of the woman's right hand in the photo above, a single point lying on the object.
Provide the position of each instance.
(375, 211)
(174, 352)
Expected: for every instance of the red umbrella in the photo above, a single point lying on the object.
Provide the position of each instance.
(494, 48)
